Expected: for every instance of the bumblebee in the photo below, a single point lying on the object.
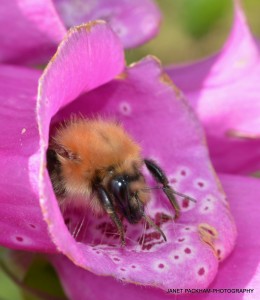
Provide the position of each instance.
(96, 163)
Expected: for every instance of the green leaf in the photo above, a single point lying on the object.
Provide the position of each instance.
(42, 277)
(8, 289)
(27, 276)
(199, 16)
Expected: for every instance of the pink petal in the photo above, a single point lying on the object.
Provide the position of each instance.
(134, 21)
(154, 112)
(224, 91)
(21, 222)
(89, 56)
(29, 32)
(240, 271)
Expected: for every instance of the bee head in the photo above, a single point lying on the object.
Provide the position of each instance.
(124, 195)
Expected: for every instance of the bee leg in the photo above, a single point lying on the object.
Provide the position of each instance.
(160, 177)
(149, 220)
(151, 223)
(109, 208)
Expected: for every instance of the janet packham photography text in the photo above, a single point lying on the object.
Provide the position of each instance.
(207, 291)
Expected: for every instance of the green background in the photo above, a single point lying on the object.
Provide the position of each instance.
(192, 29)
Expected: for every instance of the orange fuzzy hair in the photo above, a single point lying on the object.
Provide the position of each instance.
(87, 148)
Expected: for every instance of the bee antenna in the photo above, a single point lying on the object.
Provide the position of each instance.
(173, 191)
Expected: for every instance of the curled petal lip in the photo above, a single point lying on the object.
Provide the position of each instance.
(100, 65)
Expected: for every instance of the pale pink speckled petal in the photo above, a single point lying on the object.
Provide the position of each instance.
(21, 222)
(224, 91)
(153, 111)
(29, 31)
(240, 271)
(134, 21)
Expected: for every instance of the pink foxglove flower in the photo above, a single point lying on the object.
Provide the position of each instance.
(87, 76)
(37, 28)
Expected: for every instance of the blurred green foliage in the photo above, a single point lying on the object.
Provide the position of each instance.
(193, 29)
(42, 277)
(28, 276)
(199, 16)
(8, 289)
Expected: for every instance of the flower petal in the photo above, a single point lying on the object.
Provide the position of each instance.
(154, 112)
(240, 271)
(127, 18)
(21, 222)
(89, 56)
(29, 32)
(224, 91)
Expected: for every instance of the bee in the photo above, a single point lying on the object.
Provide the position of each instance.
(96, 163)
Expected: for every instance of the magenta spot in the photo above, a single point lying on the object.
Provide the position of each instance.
(219, 253)
(116, 259)
(183, 173)
(125, 108)
(187, 228)
(147, 247)
(32, 226)
(208, 199)
(185, 203)
(161, 218)
(176, 256)
(161, 266)
(201, 271)
(149, 237)
(181, 239)
(97, 252)
(206, 208)
(173, 180)
(123, 278)
(19, 239)
(133, 266)
(187, 250)
(122, 269)
(200, 184)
